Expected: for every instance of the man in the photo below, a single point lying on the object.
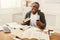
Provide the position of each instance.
(37, 17)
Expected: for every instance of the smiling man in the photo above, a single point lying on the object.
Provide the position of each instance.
(37, 18)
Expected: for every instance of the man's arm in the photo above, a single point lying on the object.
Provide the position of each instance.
(27, 20)
(42, 22)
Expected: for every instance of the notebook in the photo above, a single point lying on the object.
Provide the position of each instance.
(6, 29)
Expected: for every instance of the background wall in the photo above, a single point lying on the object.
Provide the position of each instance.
(8, 8)
(6, 14)
(52, 11)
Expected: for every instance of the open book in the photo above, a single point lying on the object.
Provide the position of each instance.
(33, 33)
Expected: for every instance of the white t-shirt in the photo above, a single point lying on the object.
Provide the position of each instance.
(33, 18)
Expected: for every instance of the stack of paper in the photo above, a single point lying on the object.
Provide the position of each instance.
(13, 25)
(16, 25)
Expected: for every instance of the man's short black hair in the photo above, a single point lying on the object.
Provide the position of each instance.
(36, 3)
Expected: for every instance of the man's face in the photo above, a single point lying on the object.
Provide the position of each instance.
(35, 7)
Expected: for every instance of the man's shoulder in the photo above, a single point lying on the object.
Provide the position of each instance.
(28, 13)
(40, 13)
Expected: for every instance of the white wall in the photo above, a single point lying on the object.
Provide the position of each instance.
(7, 9)
(6, 14)
(52, 13)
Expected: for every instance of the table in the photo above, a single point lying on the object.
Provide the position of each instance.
(17, 32)
(5, 36)
(10, 36)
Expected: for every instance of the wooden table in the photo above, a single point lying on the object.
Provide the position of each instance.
(5, 36)
(10, 36)
(55, 36)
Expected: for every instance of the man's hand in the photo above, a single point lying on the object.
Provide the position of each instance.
(39, 23)
(25, 20)
(22, 23)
